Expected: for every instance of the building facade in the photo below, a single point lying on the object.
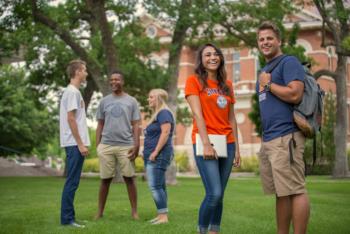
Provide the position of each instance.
(242, 66)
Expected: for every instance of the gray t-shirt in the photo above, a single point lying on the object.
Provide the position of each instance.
(117, 113)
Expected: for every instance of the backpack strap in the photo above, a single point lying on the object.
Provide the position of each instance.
(275, 63)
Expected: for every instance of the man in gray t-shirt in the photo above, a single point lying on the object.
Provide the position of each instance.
(117, 140)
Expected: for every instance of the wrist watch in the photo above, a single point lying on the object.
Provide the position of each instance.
(267, 87)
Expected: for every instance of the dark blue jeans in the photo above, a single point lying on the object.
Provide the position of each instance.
(214, 174)
(74, 166)
(156, 180)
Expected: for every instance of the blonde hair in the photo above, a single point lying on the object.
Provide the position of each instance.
(161, 103)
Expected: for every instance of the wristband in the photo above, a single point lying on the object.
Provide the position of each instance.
(267, 87)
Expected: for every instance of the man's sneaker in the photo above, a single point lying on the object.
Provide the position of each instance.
(76, 225)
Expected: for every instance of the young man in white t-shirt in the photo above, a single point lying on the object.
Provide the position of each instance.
(74, 137)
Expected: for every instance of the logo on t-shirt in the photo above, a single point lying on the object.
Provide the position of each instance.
(116, 110)
(211, 91)
(221, 101)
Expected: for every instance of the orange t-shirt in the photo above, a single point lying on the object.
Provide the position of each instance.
(215, 107)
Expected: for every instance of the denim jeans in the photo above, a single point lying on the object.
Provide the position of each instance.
(73, 168)
(214, 174)
(156, 180)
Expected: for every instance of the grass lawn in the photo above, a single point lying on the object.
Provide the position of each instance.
(31, 205)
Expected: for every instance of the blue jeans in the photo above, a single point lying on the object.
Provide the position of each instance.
(156, 180)
(73, 168)
(214, 174)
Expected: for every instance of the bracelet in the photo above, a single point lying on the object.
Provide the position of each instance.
(267, 87)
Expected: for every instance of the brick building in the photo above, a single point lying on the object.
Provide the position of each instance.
(242, 65)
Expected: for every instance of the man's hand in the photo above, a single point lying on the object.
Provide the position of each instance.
(83, 150)
(133, 153)
(264, 79)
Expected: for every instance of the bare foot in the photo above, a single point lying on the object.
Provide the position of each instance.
(98, 216)
(160, 221)
(135, 216)
(153, 220)
(161, 218)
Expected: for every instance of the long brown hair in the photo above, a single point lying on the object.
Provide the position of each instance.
(203, 74)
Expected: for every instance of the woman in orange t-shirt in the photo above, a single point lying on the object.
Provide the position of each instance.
(210, 96)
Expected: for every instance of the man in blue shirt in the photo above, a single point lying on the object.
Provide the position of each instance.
(281, 155)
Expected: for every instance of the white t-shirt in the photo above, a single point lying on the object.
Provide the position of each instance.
(72, 100)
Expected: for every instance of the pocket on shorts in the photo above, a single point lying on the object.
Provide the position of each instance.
(100, 148)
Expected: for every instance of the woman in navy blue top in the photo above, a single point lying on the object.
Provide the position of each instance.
(158, 150)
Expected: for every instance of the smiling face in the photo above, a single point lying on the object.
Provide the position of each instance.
(210, 59)
(269, 44)
(116, 82)
(152, 100)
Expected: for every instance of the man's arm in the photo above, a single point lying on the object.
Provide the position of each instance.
(292, 93)
(136, 132)
(74, 129)
(99, 129)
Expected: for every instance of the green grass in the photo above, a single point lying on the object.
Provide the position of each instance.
(31, 205)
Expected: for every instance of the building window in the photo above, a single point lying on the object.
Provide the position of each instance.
(151, 31)
(236, 66)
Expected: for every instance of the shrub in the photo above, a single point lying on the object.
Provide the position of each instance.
(139, 165)
(249, 164)
(91, 165)
(182, 161)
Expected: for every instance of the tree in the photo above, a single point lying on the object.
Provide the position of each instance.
(105, 34)
(336, 24)
(180, 16)
(25, 124)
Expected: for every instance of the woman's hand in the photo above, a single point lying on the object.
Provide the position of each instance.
(237, 161)
(209, 152)
(153, 156)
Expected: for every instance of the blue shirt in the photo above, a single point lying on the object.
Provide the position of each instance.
(153, 131)
(277, 115)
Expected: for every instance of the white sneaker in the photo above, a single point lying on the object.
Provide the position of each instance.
(76, 225)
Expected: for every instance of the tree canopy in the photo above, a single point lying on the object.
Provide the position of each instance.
(25, 124)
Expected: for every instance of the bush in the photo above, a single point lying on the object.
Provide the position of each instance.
(91, 165)
(249, 164)
(182, 161)
(139, 165)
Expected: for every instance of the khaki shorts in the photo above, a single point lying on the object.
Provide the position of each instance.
(110, 156)
(278, 174)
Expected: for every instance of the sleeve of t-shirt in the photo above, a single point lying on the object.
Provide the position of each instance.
(136, 115)
(73, 101)
(292, 70)
(164, 116)
(192, 86)
(232, 95)
(99, 113)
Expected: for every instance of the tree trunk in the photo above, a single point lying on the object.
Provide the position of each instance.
(341, 168)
